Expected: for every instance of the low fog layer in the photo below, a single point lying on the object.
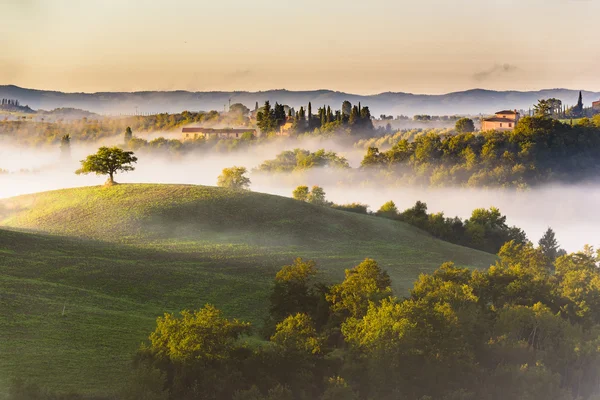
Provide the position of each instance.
(569, 210)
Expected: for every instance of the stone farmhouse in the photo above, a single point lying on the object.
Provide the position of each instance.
(503, 121)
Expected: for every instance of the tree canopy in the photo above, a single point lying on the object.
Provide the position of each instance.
(108, 161)
(234, 178)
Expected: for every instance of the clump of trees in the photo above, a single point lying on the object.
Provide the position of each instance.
(316, 195)
(300, 159)
(524, 328)
(234, 178)
(270, 120)
(349, 120)
(465, 125)
(108, 161)
(540, 149)
(485, 230)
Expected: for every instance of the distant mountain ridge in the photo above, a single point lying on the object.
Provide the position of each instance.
(474, 101)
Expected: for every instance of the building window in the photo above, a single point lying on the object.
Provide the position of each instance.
(500, 124)
(510, 125)
(237, 134)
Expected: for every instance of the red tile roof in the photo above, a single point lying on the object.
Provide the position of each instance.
(497, 119)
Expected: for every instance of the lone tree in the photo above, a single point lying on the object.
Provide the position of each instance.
(465, 125)
(549, 245)
(234, 178)
(108, 161)
(301, 193)
(317, 196)
(65, 147)
(388, 210)
(128, 135)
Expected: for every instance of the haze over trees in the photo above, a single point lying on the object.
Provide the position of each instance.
(465, 125)
(539, 150)
(65, 147)
(300, 159)
(315, 195)
(234, 178)
(108, 161)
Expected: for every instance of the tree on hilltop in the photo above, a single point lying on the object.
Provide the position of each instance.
(108, 161)
(317, 196)
(301, 193)
(234, 178)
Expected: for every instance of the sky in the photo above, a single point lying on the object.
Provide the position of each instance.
(357, 46)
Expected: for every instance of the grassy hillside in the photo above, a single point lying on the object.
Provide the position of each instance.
(114, 258)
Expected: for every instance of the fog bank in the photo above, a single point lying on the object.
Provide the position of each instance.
(569, 210)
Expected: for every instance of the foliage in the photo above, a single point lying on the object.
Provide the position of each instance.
(294, 291)
(364, 283)
(352, 207)
(549, 245)
(202, 335)
(128, 135)
(65, 146)
(388, 210)
(156, 248)
(504, 331)
(297, 333)
(299, 160)
(146, 382)
(537, 151)
(301, 193)
(465, 125)
(485, 230)
(317, 196)
(338, 389)
(108, 161)
(234, 178)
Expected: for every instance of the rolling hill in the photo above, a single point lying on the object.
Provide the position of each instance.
(473, 101)
(84, 272)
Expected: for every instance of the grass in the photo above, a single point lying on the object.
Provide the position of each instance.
(117, 257)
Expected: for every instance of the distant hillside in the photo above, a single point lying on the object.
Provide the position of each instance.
(467, 102)
(67, 113)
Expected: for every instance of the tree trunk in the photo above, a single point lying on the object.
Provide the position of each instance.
(110, 181)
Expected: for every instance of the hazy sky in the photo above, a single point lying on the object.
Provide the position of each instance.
(361, 46)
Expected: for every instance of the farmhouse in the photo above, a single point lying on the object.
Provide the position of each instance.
(502, 121)
(596, 106)
(226, 133)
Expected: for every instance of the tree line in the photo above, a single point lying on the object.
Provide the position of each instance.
(538, 150)
(349, 119)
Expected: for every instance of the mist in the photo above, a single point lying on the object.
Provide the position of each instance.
(569, 210)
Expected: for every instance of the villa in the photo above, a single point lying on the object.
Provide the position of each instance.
(503, 121)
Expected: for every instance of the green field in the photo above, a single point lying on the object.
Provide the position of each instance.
(114, 258)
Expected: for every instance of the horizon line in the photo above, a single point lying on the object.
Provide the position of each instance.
(295, 91)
